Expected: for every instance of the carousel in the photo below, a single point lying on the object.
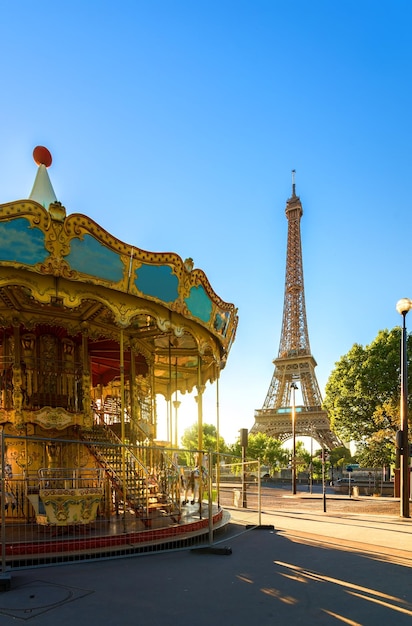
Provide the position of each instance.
(92, 331)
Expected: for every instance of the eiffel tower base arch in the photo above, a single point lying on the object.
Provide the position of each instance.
(278, 424)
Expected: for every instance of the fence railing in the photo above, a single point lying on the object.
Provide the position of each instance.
(84, 499)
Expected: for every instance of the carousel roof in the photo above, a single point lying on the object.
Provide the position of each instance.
(67, 271)
(42, 191)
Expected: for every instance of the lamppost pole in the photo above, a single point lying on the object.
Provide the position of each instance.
(293, 387)
(403, 306)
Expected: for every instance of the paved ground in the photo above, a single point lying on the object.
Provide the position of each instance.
(274, 498)
(303, 566)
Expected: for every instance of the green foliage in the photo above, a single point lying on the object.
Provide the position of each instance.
(190, 439)
(378, 451)
(317, 468)
(303, 457)
(317, 465)
(362, 394)
(339, 457)
(265, 448)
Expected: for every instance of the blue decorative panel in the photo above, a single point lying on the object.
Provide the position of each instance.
(21, 243)
(199, 303)
(89, 256)
(157, 281)
(221, 322)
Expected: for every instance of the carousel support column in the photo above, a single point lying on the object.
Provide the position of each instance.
(28, 345)
(133, 397)
(153, 408)
(122, 423)
(199, 399)
(5, 577)
(169, 415)
(86, 382)
(169, 396)
(210, 495)
(101, 408)
(4, 365)
(17, 378)
(217, 438)
(153, 415)
(176, 405)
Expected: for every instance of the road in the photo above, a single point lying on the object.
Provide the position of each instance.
(276, 498)
(302, 566)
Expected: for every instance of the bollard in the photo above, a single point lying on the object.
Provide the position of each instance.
(236, 497)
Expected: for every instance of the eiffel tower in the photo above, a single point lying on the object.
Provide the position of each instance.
(295, 363)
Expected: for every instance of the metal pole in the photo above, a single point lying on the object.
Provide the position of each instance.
(259, 495)
(244, 498)
(5, 577)
(210, 499)
(217, 439)
(176, 405)
(311, 460)
(3, 507)
(122, 425)
(244, 444)
(323, 479)
(404, 469)
(169, 397)
(200, 429)
(293, 387)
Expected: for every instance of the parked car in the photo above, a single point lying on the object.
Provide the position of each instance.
(264, 473)
(342, 485)
(345, 481)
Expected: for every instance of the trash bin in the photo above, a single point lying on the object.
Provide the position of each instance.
(355, 491)
(236, 497)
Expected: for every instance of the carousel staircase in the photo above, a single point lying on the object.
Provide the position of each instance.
(139, 492)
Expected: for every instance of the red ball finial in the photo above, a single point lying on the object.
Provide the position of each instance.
(42, 156)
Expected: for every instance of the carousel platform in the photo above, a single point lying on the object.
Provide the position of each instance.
(28, 545)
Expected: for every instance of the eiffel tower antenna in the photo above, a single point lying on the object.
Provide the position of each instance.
(295, 362)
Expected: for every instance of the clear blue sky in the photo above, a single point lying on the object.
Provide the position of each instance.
(175, 124)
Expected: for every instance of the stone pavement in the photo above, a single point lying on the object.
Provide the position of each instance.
(310, 568)
(365, 523)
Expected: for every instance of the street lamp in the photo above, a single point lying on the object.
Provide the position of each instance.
(403, 306)
(293, 387)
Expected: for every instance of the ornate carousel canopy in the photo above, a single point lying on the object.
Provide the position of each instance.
(65, 275)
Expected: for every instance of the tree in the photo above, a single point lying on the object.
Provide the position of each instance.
(362, 394)
(267, 449)
(339, 457)
(303, 457)
(379, 449)
(335, 459)
(375, 453)
(190, 439)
